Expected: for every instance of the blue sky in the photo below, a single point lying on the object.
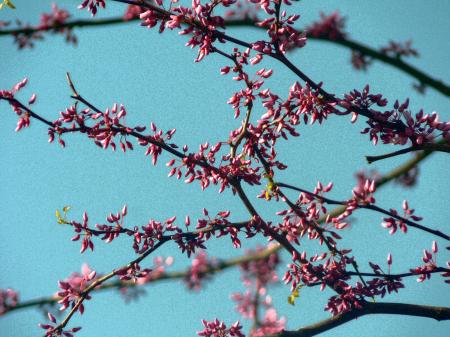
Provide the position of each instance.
(155, 77)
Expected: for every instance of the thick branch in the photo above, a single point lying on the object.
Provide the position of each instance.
(437, 313)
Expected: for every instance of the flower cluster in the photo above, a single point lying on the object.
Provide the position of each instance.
(217, 226)
(53, 330)
(52, 22)
(72, 288)
(328, 27)
(92, 5)
(360, 61)
(283, 36)
(395, 126)
(256, 276)
(133, 272)
(304, 218)
(139, 276)
(198, 271)
(260, 272)
(201, 23)
(429, 258)
(8, 299)
(216, 328)
(18, 108)
(133, 12)
(385, 283)
(393, 223)
(399, 49)
(282, 116)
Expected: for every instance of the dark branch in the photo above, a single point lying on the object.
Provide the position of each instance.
(439, 147)
(395, 62)
(437, 313)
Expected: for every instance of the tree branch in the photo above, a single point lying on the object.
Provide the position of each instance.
(437, 313)
(177, 275)
(370, 207)
(398, 63)
(439, 147)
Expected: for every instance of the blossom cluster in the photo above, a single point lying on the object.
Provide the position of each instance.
(399, 49)
(257, 275)
(398, 125)
(52, 22)
(53, 330)
(430, 264)
(8, 299)
(198, 271)
(394, 223)
(134, 277)
(92, 5)
(72, 288)
(330, 26)
(218, 328)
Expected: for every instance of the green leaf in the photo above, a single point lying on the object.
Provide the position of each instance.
(7, 3)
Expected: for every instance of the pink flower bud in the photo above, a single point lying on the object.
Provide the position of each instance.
(434, 247)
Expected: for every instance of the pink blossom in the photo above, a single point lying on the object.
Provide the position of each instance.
(8, 299)
(216, 328)
(329, 27)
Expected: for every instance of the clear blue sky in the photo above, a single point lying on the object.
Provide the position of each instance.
(155, 77)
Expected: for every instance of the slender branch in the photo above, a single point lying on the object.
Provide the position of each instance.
(241, 136)
(401, 275)
(100, 281)
(396, 62)
(67, 24)
(439, 147)
(118, 129)
(256, 307)
(437, 313)
(251, 209)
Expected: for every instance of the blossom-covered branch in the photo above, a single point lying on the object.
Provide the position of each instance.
(351, 204)
(249, 156)
(222, 265)
(25, 34)
(58, 329)
(210, 269)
